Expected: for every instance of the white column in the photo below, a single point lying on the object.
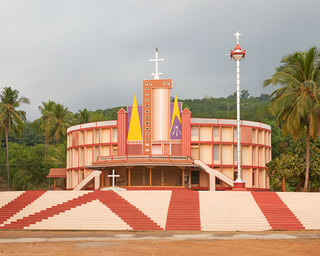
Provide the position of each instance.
(239, 178)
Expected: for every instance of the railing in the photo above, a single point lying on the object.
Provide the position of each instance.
(92, 125)
(195, 121)
(143, 157)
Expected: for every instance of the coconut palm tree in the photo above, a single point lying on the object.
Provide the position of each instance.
(43, 123)
(11, 119)
(296, 104)
(59, 121)
(83, 116)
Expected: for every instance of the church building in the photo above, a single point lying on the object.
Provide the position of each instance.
(157, 145)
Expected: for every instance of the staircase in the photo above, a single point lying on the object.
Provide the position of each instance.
(179, 209)
(144, 200)
(278, 215)
(213, 174)
(126, 211)
(93, 177)
(17, 204)
(230, 211)
(306, 206)
(184, 211)
(49, 212)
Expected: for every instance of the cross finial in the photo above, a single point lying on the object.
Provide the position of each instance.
(156, 75)
(237, 35)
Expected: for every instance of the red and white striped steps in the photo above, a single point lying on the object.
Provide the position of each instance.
(17, 204)
(159, 210)
(184, 211)
(279, 216)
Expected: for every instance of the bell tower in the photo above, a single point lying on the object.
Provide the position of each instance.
(156, 111)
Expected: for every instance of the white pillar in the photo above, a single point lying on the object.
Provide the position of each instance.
(239, 178)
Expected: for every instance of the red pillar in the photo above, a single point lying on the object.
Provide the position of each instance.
(122, 132)
(186, 132)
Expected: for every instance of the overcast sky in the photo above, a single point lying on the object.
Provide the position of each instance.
(95, 53)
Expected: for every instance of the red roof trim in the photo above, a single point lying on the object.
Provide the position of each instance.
(57, 173)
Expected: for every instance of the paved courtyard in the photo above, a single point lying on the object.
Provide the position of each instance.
(89, 243)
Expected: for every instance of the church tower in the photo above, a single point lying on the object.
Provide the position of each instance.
(156, 112)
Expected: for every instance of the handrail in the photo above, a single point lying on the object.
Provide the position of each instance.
(142, 157)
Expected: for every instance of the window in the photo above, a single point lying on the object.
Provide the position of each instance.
(147, 123)
(147, 100)
(168, 83)
(147, 133)
(147, 138)
(147, 88)
(147, 94)
(164, 83)
(195, 177)
(216, 153)
(235, 175)
(194, 131)
(150, 83)
(146, 83)
(147, 105)
(156, 149)
(147, 144)
(252, 178)
(147, 128)
(216, 133)
(147, 111)
(147, 150)
(147, 117)
(115, 133)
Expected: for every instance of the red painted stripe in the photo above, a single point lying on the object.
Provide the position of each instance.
(49, 212)
(127, 212)
(184, 211)
(157, 188)
(17, 204)
(276, 211)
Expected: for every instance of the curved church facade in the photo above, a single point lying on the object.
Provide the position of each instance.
(157, 144)
(99, 146)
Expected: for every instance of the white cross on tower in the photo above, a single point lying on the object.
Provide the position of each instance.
(157, 74)
(113, 176)
(237, 35)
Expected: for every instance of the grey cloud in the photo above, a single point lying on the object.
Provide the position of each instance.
(95, 54)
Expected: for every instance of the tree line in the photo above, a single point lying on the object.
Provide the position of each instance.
(292, 110)
(29, 150)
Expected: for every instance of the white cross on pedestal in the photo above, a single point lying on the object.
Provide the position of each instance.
(157, 74)
(113, 176)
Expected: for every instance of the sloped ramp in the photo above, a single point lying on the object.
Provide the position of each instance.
(92, 177)
(212, 174)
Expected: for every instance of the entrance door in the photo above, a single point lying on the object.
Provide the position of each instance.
(195, 178)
